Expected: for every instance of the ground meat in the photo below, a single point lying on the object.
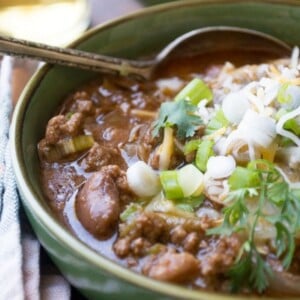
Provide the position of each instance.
(143, 140)
(60, 127)
(148, 225)
(122, 247)
(140, 234)
(98, 205)
(100, 156)
(219, 255)
(178, 234)
(140, 246)
(72, 126)
(84, 106)
(172, 267)
(120, 178)
(53, 130)
(188, 235)
(191, 242)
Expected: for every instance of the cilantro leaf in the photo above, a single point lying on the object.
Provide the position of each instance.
(179, 114)
(251, 269)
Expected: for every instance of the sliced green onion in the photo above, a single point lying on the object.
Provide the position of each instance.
(170, 184)
(143, 180)
(283, 96)
(293, 125)
(191, 180)
(69, 146)
(195, 91)
(76, 144)
(243, 178)
(191, 146)
(217, 122)
(204, 152)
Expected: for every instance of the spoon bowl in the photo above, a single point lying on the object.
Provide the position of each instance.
(198, 41)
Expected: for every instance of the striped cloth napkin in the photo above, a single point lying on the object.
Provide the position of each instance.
(20, 275)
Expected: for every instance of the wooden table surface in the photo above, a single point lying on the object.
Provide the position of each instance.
(101, 11)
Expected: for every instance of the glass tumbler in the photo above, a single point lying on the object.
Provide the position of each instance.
(53, 22)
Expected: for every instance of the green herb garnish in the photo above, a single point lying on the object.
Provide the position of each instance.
(180, 114)
(263, 184)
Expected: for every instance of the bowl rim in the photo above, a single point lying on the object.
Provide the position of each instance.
(32, 201)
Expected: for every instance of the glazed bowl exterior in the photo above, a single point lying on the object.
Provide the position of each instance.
(136, 35)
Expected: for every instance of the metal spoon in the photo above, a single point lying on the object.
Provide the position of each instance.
(207, 39)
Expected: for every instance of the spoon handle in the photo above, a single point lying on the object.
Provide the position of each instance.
(73, 57)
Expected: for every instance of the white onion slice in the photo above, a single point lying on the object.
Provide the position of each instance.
(142, 180)
(220, 166)
(234, 107)
(191, 180)
(257, 129)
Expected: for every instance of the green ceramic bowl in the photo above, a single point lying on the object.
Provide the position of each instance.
(132, 36)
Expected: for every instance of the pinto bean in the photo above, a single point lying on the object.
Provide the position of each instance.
(173, 267)
(97, 205)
